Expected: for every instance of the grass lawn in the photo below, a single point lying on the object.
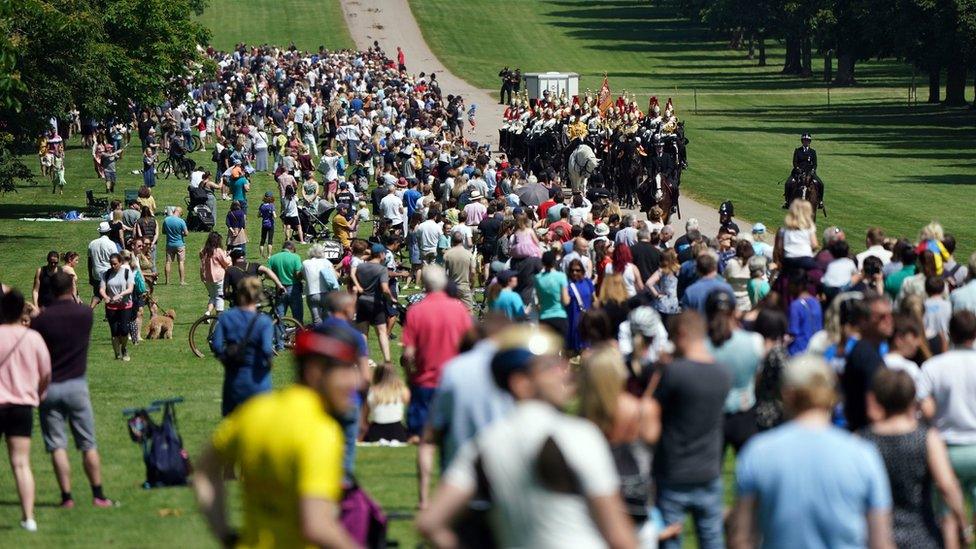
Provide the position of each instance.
(883, 162)
(307, 24)
(159, 369)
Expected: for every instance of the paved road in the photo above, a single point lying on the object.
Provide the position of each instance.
(391, 23)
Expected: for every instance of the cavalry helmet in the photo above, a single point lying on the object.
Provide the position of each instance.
(725, 208)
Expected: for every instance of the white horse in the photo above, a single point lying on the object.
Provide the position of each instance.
(582, 164)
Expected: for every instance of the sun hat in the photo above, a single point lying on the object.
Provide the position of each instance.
(104, 227)
(601, 229)
(476, 195)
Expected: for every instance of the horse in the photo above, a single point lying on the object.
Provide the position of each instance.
(581, 165)
(627, 170)
(805, 188)
(657, 191)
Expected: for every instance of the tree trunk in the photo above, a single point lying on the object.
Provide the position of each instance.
(762, 50)
(935, 85)
(956, 83)
(792, 65)
(752, 46)
(845, 70)
(806, 58)
(828, 73)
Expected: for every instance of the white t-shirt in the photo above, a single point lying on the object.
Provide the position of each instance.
(467, 232)
(312, 273)
(950, 379)
(839, 272)
(196, 176)
(429, 233)
(526, 513)
(628, 277)
(392, 208)
(895, 361)
(874, 251)
(289, 207)
(796, 243)
(328, 167)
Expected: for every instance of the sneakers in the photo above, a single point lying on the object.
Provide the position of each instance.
(125, 357)
(30, 525)
(103, 502)
(68, 504)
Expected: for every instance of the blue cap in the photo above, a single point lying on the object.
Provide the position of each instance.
(377, 248)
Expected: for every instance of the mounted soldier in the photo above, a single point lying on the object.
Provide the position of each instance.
(804, 168)
(663, 164)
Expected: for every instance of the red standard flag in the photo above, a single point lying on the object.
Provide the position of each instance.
(604, 101)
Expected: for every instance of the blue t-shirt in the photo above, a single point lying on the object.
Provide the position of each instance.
(237, 188)
(510, 303)
(549, 290)
(173, 228)
(806, 319)
(697, 293)
(814, 486)
(267, 213)
(253, 375)
(410, 198)
(339, 324)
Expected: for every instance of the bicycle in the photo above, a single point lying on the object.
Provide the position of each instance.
(180, 167)
(286, 328)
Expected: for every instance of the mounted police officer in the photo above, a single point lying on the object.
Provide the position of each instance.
(804, 162)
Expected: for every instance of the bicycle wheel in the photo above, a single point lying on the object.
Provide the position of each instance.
(164, 168)
(287, 329)
(201, 332)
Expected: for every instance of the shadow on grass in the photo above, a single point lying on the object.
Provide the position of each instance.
(16, 211)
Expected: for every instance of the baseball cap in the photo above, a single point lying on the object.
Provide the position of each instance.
(267, 194)
(377, 248)
(758, 228)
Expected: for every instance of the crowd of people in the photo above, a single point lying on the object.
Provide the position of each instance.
(841, 382)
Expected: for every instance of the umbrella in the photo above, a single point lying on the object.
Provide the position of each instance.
(533, 194)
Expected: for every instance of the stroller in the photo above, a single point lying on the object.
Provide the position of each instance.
(199, 217)
(315, 226)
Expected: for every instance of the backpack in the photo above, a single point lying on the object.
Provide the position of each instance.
(362, 517)
(236, 351)
(167, 462)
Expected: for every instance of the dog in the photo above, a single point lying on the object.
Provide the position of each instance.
(161, 326)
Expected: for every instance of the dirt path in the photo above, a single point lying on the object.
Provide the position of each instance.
(391, 23)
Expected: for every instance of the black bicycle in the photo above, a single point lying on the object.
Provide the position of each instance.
(286, 328)
(178, 167)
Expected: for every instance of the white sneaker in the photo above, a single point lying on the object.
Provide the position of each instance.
(30, 525)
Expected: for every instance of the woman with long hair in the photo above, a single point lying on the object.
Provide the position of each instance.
(386, 400)
(742, 352)
(737, 274)
(524, 242)
(797, 240)
(612, 298)
(581, 298)
(623, 264)
(552, 292)
(70, 261)
(214, 262)
(663, 286)
(148, 228)
(115, 288)
(631, 426)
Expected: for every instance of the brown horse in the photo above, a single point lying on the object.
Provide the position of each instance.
(659, 192)
(805, 188)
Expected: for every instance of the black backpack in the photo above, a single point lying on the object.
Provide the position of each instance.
(167, 462)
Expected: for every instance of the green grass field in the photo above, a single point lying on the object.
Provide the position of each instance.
(883, 162)
(306, 23)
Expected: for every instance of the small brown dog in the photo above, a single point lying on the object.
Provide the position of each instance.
(161, 326)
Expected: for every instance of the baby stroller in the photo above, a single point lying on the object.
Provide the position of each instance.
(315, 226)
(199, 216)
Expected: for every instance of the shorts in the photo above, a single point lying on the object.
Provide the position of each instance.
(290, 221)
(419, 408)
(68, 402)
(16, 420)
(267, 235)
(371, 312)
(176, 254)
(118, 321)
(110, 176)
(738, 428)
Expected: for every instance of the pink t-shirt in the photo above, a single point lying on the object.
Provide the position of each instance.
(25, 366)
(215, 267)
(435, 327)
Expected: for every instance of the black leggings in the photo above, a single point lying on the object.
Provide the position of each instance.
(267, 235)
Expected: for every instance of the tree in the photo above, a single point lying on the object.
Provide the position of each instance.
(97, 55)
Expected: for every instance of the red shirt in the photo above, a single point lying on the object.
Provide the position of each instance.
(544, 207)
(567, 230)
(434, 327)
